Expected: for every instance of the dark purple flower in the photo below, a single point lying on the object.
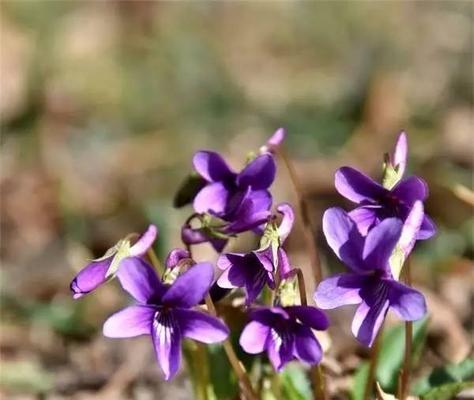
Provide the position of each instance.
(285, 333)
(377, 203)
(103, 269)
(226, 190)
(250, 212)
(255, 269)
(370, 284)
(164, 311)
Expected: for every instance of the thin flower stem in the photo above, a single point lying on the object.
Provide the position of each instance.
(317, 376)
(374, 355)
(236, 364)
(303, 207)
(406, 369)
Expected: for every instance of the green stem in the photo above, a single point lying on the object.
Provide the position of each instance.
(374, 355)
(406, 368)
(317, 376)
(236, 364)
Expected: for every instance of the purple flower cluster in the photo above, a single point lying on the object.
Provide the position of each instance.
(373, 241)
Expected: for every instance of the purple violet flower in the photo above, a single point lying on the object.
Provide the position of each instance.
(285, 333)
(377, 203)
(226, 190)
(164, 311)
(105, 268)
(249, 211)
(370, 284)
(255, 269)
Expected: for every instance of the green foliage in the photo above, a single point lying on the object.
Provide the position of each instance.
(390, 358)
(295, 383)
(360, 378)
(446, 392)
(392, 350)
(445, 380)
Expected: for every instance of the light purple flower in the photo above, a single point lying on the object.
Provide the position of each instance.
(274, 141)
(255, 269)
(285, 333)
(103, 269)
(370, 284)
(164, 311)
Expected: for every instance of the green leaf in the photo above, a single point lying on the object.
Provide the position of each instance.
(221, 374)
(392, 351)
(453, 373)
(295, 383)
(360, 379)
(447, 391)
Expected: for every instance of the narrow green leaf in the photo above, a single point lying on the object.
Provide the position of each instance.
(453, 373)
(295, 383)
(392, 350)
(447, 391)
(360, 378)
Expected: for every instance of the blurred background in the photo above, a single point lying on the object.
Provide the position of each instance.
(103, 104)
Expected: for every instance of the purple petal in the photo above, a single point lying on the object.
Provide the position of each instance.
(190, 287)
(307, 347)
(356, 186)
(284, 267)
(410, 190)
(218, 244)
(255, 283)
(364, 217)
(400, 153)
(200, 326)
(254, 337)
(287, 221)
(139, 279)
(339, 290)
(212, 197)
(409, 304)
(309, 316)
(232, 278)
(130, 322)
(370, 315)
(145, 242)
(175, 256)
(280, 349)
(427, 229)
(265, 257)
(193, 236)
(411, 227)
(277, 138)
(212, 167)
(380, 242)
(343, 237)
(261, 199)
(90, 277)
(259, 173)
(249, 217)
(167, 344)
